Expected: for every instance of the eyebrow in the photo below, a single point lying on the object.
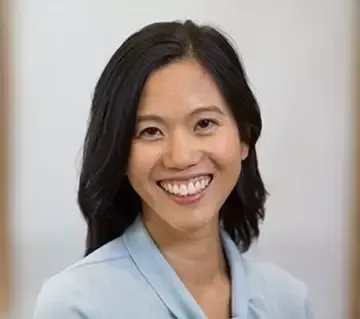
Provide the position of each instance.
(199, 110)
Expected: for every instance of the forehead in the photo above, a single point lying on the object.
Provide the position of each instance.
(180, 86)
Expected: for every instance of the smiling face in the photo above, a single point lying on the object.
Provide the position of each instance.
(186, 153)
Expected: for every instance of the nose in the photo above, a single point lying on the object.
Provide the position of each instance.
(182, 152)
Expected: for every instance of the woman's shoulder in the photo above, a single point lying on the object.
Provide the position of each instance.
(264, 274)
(281, 291)
(82, 286)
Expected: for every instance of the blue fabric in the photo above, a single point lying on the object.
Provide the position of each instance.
(130, 278)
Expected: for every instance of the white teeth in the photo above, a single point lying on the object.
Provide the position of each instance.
(191, 188)
(183, 190)
(175, 189)
(187, 188)
(197, 186)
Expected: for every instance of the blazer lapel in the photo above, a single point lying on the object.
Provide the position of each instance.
(240, 292)
(246, 303)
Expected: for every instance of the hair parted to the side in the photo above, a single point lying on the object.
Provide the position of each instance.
(108, 202)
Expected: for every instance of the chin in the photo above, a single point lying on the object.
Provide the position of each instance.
(193, 223)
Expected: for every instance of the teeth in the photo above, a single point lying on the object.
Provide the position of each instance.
(183, 190)
(168, 187)
(175, 189)
(191, 188)
(197, 186)
(187, 188)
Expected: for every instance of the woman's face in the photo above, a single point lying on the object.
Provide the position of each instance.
(186, 153)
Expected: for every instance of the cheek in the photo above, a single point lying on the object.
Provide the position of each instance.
(226, 149)
(142, 161)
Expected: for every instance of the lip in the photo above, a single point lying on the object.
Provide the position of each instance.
(188, 200)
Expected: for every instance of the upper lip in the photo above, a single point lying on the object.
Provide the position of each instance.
(184, 177)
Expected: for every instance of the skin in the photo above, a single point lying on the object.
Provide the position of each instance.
(184, 129)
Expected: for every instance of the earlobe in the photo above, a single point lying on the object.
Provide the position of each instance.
(244, 149)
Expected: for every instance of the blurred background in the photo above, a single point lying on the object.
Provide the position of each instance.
(300, 59)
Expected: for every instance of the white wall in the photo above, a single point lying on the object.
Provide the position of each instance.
(298, 57)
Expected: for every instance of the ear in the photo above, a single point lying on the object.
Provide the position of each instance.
(244, 150)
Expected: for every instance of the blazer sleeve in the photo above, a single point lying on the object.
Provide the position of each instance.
(59, 299)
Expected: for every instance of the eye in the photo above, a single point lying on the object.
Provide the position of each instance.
(206, 125)
(150, 133)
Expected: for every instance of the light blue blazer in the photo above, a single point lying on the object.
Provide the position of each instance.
(129, 278)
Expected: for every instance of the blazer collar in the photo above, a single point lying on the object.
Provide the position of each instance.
(168, 286)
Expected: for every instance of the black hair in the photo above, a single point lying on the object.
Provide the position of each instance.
(108, 202)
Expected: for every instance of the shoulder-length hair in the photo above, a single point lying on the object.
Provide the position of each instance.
(108, 202)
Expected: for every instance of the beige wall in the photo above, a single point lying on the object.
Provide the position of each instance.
(4, 276)
(355, 279)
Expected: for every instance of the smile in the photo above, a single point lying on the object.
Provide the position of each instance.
(191, 187)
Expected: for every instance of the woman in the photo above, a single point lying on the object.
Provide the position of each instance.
(171, 191)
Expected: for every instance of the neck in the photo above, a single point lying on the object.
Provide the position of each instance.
(197, 257)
